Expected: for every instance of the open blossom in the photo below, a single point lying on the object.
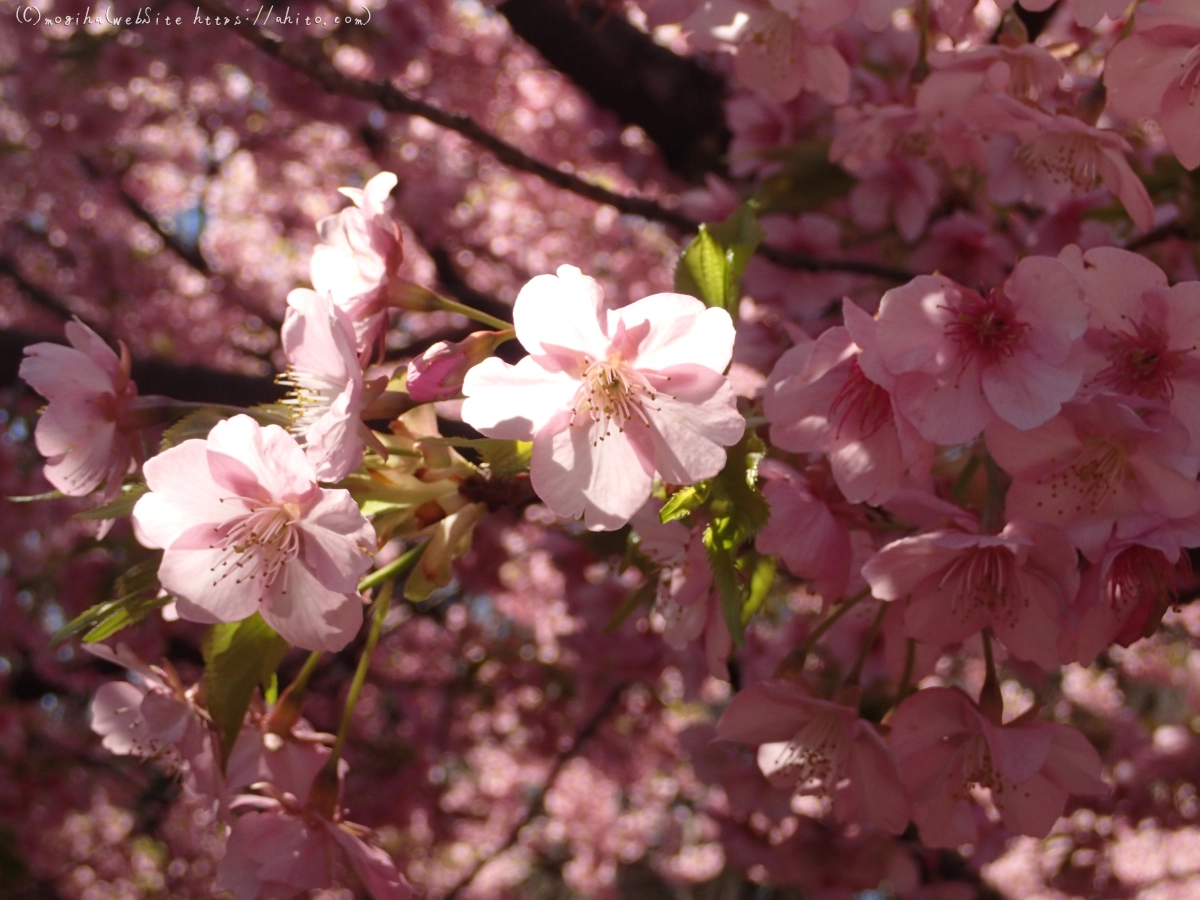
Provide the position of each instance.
(360, 249)
(1018, 583)
(328, 395)
(1155, 73)
(803, 532)
(246, 528)
(280, 846)
(1059, 154)
(818, 747)
(84, 431)
(1144, 339)
(685, 596)
(819, 399)
(610, 398)
(1123, 596)
(156, 718)
(961, 359)
(773, 52)
(1096, 464)
(945, 747)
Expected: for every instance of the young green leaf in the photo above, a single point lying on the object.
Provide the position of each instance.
(683, 501)
(118, 508)
(238, 656)
(130, 605)
(726, 581)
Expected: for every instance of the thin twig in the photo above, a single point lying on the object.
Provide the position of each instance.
(536, 804)
(389, 97)
(38, 295)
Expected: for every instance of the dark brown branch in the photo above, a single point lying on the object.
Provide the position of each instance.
(37, 294)
(539, 799)
(386, 95)
(674, 99)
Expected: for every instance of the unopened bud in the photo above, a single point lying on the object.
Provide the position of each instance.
(438, 373)
(412, 297)
(1013, 32)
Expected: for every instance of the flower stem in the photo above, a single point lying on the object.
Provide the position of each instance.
(991, 701)
(867, 644)
(462, 309)
(383, 602)
(287, 709)
(394, 569)
(794, 661)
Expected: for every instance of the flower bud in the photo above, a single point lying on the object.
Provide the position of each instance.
(438, 373)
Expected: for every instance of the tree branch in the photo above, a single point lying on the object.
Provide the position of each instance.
(386, 95)
(674, 99)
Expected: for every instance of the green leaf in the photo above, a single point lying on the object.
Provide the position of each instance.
(735, 490)
(118, 508)
(762, 577)
(129, 606)
(195, 425)
(805, 180)
(643, 596)
(711, 266)
(238, 656)
(504, 458)
(725, 578)
(683, 501)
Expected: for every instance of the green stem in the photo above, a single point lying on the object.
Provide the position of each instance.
(867, 644)
(794, 661)
(470, 312)
(310, 664)
(382, 603)
(394, 569)
(287, 709)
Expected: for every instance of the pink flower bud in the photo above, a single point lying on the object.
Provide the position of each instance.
(438, 373)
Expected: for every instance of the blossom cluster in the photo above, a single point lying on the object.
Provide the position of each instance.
(848, 548)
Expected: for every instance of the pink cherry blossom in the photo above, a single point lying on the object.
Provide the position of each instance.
(967, 248)
(360, 249)
(803, 532)
(610, 398)
(327, 384)
(1096, 464)
(1144, 338)
(1060, 153)
(157, 718)
(685, 596)
(1155, 73)
(247, 529)
(773, 51)
(438, 373)
(961, 359)
(85, 431)
(1123, 596)
(280, 846)
(1018, 583)
(945, 747)
(818, 747)
(819, 399)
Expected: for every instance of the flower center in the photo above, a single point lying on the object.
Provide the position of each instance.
(258, 545)
(984, 578)
(815, 756)
(1070, 157)
(612, 393)
(311, 397)
(860, 399)
(1141, 585)
(986, 328)
(1083, 486)
(1140, 363)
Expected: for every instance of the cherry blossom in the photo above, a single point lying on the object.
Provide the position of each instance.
(328, 394)
(819, 747)
(247, 529)
(820, 399)
(1155, 73)
(961, 359)
(1018, 583)
(360, 250)
(1096, 464)
(157, 718)
(85, 431)
(438, 373)
(610, 398)
(945, 747)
